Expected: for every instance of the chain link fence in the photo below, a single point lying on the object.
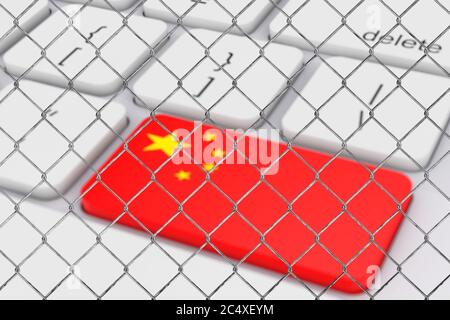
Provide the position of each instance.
(25, 276)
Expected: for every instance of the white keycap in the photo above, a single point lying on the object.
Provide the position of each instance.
(71, 54)
(316, 21)
(396, 114)
(258, 83)
(29, 14)
(209, 14)
(116, 4)
(43, 141)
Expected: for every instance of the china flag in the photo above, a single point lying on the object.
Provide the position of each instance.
(326, 220)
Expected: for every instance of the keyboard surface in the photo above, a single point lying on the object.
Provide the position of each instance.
(412, 138)
(28, 19)
(72, 56)
(404, 46)
(207, 87)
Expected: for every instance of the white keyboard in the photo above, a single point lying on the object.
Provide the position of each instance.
(373, 117)
(28, 14)
(382, 113)
(74, 132)
(90, 57)
(111, 4)
(233, 96)
(236, 16)
(367, 26)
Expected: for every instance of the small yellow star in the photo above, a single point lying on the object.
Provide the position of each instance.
(209, 137)
(218, 153)
(209, 167)
(183, 175)
(167, 144)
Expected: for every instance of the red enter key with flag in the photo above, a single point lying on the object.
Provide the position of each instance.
(325, 220)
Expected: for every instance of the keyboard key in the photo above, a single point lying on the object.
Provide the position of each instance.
(71, 235)
(113, 4)
(399, 129)
(45, 144)
(72, 55)
(209, 14)
(28, 13)
(209, 86)
(371, 21)
(236, 222)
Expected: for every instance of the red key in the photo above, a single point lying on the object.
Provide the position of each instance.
(328, 221)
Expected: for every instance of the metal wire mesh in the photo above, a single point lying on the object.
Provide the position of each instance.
(71, 207)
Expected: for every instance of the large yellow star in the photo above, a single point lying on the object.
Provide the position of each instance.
(183, 175)
(167, 144)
